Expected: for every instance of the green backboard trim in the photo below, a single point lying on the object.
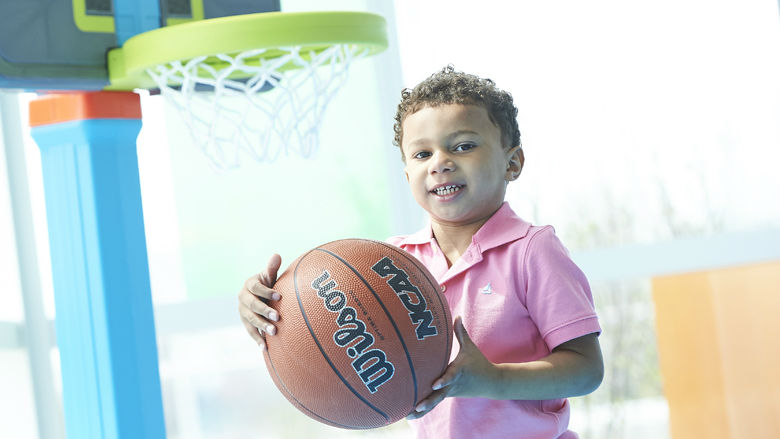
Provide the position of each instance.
(314, 31)
(92, 23)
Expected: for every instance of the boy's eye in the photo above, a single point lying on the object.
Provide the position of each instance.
(464, 146)
(421, 155)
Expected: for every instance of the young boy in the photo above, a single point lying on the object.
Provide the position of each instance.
(532, 328)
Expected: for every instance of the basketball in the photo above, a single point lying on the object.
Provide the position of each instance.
(363, 333)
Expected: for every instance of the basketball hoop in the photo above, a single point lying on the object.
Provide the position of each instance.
(253, 85)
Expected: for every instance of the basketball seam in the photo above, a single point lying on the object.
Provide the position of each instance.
(389, 317)
(436, 286)
(319, 346)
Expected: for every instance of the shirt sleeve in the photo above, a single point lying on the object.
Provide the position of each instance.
(558, 296)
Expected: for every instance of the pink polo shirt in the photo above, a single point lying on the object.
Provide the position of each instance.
(520, 296)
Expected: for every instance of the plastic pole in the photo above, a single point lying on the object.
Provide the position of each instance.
(104, 321)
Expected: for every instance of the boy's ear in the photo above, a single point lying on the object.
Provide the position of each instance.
(515, 162)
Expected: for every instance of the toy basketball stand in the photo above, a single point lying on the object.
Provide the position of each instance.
(105, 324)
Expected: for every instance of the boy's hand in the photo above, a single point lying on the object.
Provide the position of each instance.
(469, 375)
(253, 299)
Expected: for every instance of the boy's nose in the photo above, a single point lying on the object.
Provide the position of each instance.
(441, 162)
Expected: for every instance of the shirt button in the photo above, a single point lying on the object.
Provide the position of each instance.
(443, 288)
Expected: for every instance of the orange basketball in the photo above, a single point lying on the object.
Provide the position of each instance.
(363, 333)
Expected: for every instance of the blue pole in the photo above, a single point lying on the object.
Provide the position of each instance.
(132, 17)
(104, 321)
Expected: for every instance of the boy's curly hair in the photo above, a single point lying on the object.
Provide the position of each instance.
(449, 86)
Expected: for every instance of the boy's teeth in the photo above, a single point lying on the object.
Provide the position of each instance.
(446, 190)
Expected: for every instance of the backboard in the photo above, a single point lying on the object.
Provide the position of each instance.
(62, 44)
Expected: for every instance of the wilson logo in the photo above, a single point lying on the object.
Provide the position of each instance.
(410, 296)
(371, 365)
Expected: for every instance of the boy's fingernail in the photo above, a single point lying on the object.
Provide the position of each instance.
(270, 329)
(275, 296)
(273, 316)
(437, 385)
(419, 408)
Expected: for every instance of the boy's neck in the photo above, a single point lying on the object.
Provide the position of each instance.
(455, 240)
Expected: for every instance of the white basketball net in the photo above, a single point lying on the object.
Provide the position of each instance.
(234, 118)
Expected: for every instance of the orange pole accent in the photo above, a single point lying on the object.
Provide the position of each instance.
(66, 107)
(719, 351)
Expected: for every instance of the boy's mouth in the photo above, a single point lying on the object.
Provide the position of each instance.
(447, 189)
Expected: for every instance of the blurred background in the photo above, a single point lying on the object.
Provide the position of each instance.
(652, 139)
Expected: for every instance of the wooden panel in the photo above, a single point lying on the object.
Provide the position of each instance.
(719, 353)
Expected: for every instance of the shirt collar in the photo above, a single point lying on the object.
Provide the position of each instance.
(423, 236)
(504, 226)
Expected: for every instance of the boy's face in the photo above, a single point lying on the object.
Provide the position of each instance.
(455, 164)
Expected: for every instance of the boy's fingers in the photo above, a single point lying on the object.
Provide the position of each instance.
(264, 310)
(268, 277)
(414, 415)
(443, 381)
(261, 284)
(428, 403)
(255, 320)
(450, 375)
(249, 283)
(255, 334)
(256, 287)
(257, 306)
(274, 263)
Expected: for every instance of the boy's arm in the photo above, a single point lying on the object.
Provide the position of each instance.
(572, 369)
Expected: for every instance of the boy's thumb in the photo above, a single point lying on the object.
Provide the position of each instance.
(461, 333)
